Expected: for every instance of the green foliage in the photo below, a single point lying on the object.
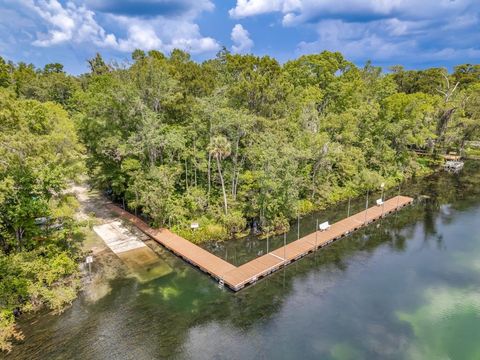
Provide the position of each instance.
(234, 222)
(467, 74)
(207, 231)
(412, 81)
(8, 330)
(39, 155)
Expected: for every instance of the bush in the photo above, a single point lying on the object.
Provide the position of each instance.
(280, 225)
(32, 279)
(8, 330)
(234, 222)
(208, 231)
(305, 206)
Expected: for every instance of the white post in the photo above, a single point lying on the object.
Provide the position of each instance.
(348, 211)
(267, 243)
(89, 261)
(316, 236)
(285, 246)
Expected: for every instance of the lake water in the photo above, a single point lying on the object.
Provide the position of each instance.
(407, 287)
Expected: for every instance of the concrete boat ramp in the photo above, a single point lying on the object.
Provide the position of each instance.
(143, 261)
(118, 238)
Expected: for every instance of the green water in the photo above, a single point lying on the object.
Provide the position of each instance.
(404, 288)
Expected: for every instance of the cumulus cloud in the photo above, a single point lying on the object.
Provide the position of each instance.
(163, 34)
(241, 39)
(77, 23)
(69, 23)
(245, 8)
(296, 11)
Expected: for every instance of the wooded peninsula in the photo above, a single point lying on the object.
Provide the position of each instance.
(237, 143)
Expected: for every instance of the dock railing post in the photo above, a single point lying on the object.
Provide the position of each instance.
(366, 208)
(316, 236)
(284, 246)
(267, 243)
(298, 225)
(398, 197)
(348, 211)
(383, 202)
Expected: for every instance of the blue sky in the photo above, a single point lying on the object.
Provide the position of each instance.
(414, 33)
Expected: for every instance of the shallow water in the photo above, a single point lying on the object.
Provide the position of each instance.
(407, 287)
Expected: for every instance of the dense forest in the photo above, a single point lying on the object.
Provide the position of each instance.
(230, 142)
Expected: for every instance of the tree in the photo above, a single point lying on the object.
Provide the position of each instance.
(5, 77)
(467, 74)
(39, 156)
(220, 148)
(447, 110)
(39, 152)
(53, 68)
(97, 65)
(155, 190)
(138, 55)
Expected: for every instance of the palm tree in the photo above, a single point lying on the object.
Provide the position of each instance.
(220, 148)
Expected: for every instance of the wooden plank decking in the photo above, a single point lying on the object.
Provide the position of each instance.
(237, 278)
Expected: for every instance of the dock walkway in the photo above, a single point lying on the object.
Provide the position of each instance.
(237, 278)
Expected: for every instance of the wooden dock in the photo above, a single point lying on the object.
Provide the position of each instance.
(236, 278)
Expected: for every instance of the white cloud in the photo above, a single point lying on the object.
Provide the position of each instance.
(241, 40)
(164, 35)
(140, 37)
(297, 11)
(77, 24)
(247, 8)
(69, 23)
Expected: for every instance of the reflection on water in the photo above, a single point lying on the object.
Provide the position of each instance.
(405, 288)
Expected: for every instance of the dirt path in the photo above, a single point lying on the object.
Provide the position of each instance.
(91, 203)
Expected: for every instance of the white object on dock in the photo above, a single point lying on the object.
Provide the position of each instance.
(324, 226)
(453, 165)
(379, 202)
